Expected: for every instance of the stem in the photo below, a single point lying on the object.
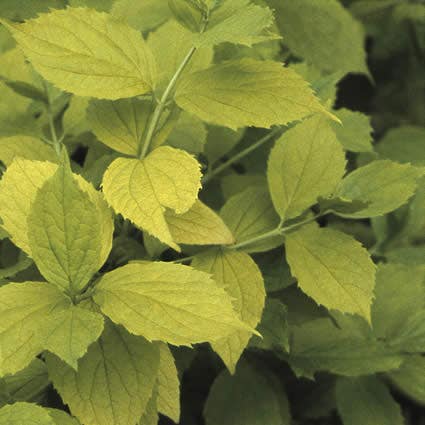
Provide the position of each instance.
(163, 102)
(240, 155)
(183, 260)
(279, 231)
(56, 141)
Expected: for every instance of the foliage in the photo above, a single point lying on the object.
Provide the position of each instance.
(192, 230)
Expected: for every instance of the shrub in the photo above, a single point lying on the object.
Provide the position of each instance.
(191, 229)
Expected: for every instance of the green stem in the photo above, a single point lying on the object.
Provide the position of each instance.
(279, 231)
(183, 260)
(240, 155)
(56, 141)
(163, 103)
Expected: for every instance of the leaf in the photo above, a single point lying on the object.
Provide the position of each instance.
(143, 16)
(320, 32)
(332, 268)
(167, 302)
(25, 147)
(238, 22)
(410, 379)
(220, 141)
(170, 44)
(27, 177)
(25, 413)
(355, 131)
(198, 226)
(74, 119)
(239, 93)
(150, 415)
(305, 163)
(400, 292)
(318, 345)
(366, 400)
(403, 144)
(341, 205)
(114, 381)
(120, 124)
(141, 190)
(386, 185)
(64, 232)
(250, 214)
(233, 184)
(168, 400)
(410, 337)
(29, 384)
(241, 278)
(245, 398)
(189, 13)
(62, 418)
(87, 53)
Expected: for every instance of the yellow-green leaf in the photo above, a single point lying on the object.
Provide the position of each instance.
(240, 93)
(198, 226)
(332, 268)
(25, 413)
(305, 163)
(87, 53)
(141, 190)
(167, 302)
(114, 381)
(241, 278)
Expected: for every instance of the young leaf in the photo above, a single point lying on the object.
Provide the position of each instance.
(25, 147)
(29, 177)
(400, 292)
(64, 232)
(114, 381)
(250, 214)
(332, 268)
(367, 401)
(167, 302)
(239, 93)
(87, 53)
(318, 345)
(119, 124)
(198, 226)
(241, 278)
(238, 22)
(305, 163)
(25, 413)
(355, 133)
(248, 397)
(140, 190)
(384, 184)
(323, 33)
(168, 400)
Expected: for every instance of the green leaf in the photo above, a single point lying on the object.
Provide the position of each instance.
(198, 226)
(386, 185)
(25, 147)
(189, 13)
(74, 119)
(233, 184)
(410, 337)
(320, 32)
(150, 415)
(114, 381)
(410, 378)
(29, 177)
(403, 144)
(143, 16)
(25, 413)
(220, 141)
(341, 205)
(120, 124)
(241, 278)
(332, 268)
(320, 346)
(248, 397)
(355, 133)
(170, 44)
(87, 53)
(400, 292)
(64, 232)
(305, 163)
(238, 22)
(168, 400)
(62, 418)
(167, 302)
(29, 384)
(239, 93)
(250, 214)
(367, 401)
(140, 190)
